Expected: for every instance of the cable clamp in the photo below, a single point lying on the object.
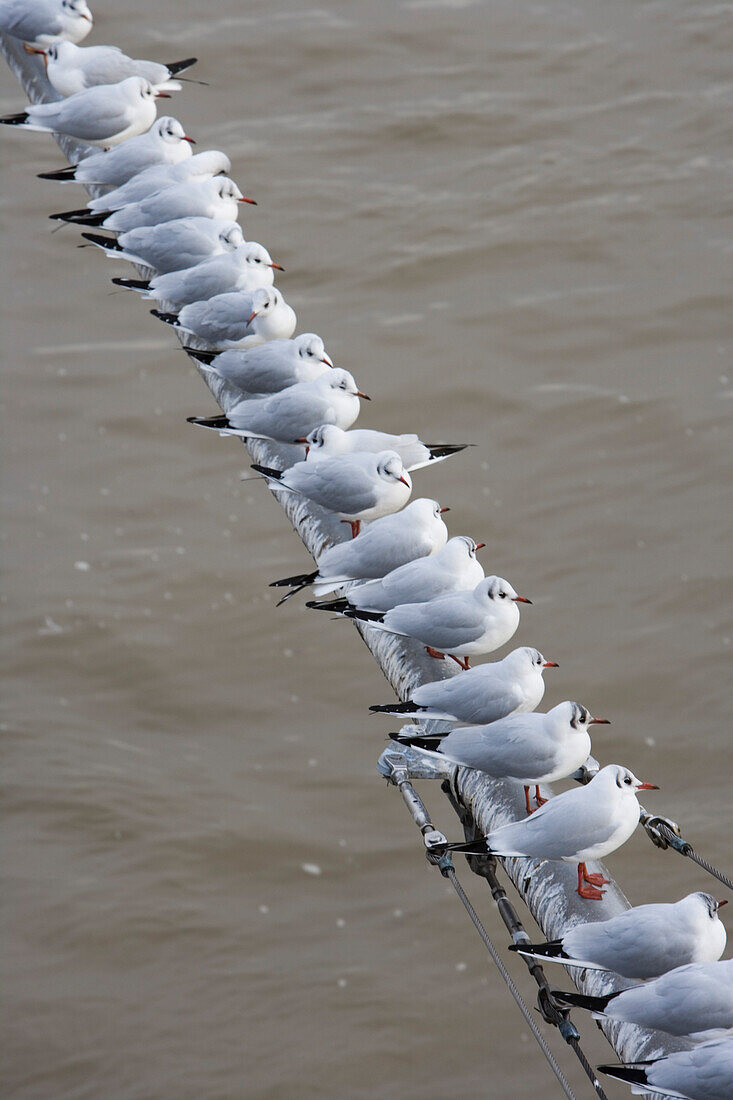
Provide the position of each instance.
(663, 833)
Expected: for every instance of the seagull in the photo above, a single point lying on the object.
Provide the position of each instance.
(165, 143)
(217, 199)
(482, 694)
(330, 440)
(71, 68)
(241, 319)
(246, 268)
(459, 625)
(356, 487)
(694, 1000)
(575, 826)
(180, 243)
(703, 1073)
(105, 115)
(643, 942)
(416, 532)
(202, 166)
(270, 367)
(450, 570)
(529, 748)
(282, 416)
(42, 22)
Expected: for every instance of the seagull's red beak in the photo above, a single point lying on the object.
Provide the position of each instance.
(441, 510)
(301, 439)
(599, 722)
(723, 902)
(327, 361)
(647, 787)
(188, 139)
(276, 266)
(521, 599)
(404, 481)
(251, 317)
(162, 95)
(364, 395)
(479, 545)
(252, 202)
(550, 664)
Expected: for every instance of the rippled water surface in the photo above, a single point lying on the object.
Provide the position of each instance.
(509, 220)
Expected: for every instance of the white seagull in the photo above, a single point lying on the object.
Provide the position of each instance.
(450, 570)
(105, 115)
(71, 68)
(703, 1073)
(202, 166)
(241, 319)
(417, 531)
(355, 487)
(180, 243)
(42, 22)
(216, 198)
(694, 1000)
(165, 143)
(482, 694)
(246, 268)
(329, 440)
(642, 942)
(583, 824)
(459, 625)
(528, 748)
(270, 367)
(283, 416)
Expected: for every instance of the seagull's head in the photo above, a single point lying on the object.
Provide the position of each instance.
(231, 237)
(169, 130)
(704, 904)
(311, 349)
(578, 717)
(390, 468)
(78, 8)
(257, 257)
(342, 381)
(529, 660)
(623, 779)
(265, 301)
(327, 437)
(212, 162)
(61, 51)
(497, 591)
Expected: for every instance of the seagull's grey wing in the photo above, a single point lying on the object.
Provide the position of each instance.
(27, 23)
(558, 829)
(91, 116)
(705, 1072)
(639, 943)
(108, 65)
(349, 490)
(515, 752)
(444, 623)
(690, 999)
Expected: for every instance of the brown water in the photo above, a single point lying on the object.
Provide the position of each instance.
(508, 220)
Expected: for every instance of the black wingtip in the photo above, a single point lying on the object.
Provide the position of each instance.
(62, 174)
(300, 581)
(581, 1000)
(80, 217)
(176, 67)
(216, 422)
(169, 318)
(15, 120)
(430, 743)
(268, 471)
(396, 708)
(339, 607)
(477, 847)
(103, 242)
(444, 450)
(632, 1075)
(365, 616)
(202, 356)
(133, 284)
(551, 950)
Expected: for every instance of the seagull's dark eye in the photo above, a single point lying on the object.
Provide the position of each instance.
(627, 780)
(503, 595)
